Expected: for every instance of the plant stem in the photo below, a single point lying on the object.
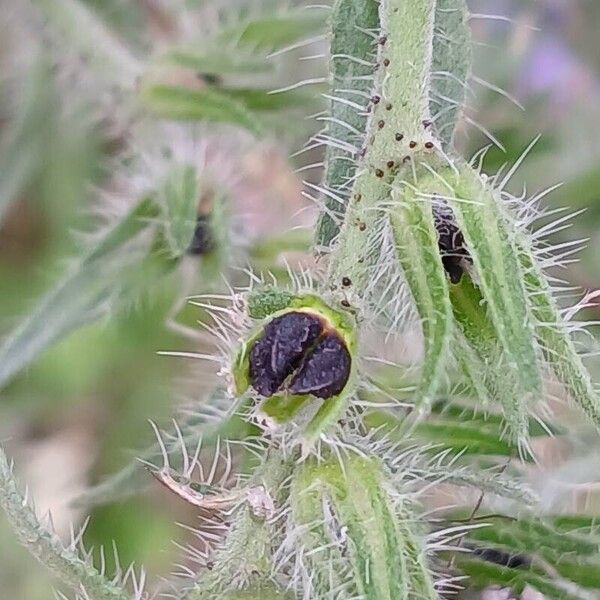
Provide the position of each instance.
(398, 129)
(80, 575)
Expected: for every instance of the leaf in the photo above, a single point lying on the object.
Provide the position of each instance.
(416, 242)
(109, 275)
(264, 100)
(22, 146)
(451, 66)
(500, 280)
(178, 199)
(483, 574)
(352, 53)
(555, 340)
(180, 103)
(536, 536)
(273, 32)
(345, 514)
(64, 562)
(207, 62)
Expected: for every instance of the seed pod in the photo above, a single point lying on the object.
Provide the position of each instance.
(302, 350)
(297, 345)
(280, 350)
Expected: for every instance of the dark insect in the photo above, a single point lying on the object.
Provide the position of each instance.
(203, 241)
(297, 354)
(451, 242)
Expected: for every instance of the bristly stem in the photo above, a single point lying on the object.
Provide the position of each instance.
(398, 130)
(80, 575)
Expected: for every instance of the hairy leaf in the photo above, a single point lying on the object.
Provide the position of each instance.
(352, 57)
(207, 104)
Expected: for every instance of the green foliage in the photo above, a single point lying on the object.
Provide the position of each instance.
(352, 57)
(325, 501)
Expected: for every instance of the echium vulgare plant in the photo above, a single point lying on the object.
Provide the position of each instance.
(332, 500)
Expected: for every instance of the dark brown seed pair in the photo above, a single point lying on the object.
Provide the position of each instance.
(451, 242)
(297, 354)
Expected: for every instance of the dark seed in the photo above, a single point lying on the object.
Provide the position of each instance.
(413, 144)
(399, 137)
(280, 350)
(498, 557)
(386, 62)
(429, 145)
(325, 370)
(451, 242)
(346, 281)
(203, 241)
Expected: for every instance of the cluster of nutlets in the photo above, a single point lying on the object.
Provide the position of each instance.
(299, 353)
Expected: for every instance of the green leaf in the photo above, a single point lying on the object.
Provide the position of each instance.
(417, 250)
(178, 199)
(23, 142)
(207, 62)
(451, 66)
(113, 272)
(207, 104)
(483, 574)
(499, 277)
(352, 52)
(536, 536)
(64, 562)
(273, 32)
(556, 343)
(264, 100)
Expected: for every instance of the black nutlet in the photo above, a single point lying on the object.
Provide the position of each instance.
(203, 241)
(280, 350)
(325, 369)
(451, 242)
(298, 355)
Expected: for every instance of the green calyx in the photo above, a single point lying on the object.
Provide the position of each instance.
(355, 534)
(284, 406)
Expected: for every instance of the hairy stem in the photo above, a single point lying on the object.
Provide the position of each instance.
(398, 129)
(80, 575)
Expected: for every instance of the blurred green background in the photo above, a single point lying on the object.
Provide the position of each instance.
(80, 411)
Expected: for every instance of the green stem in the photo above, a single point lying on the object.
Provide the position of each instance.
(245, 559)
(80, 575)
(398, 131)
